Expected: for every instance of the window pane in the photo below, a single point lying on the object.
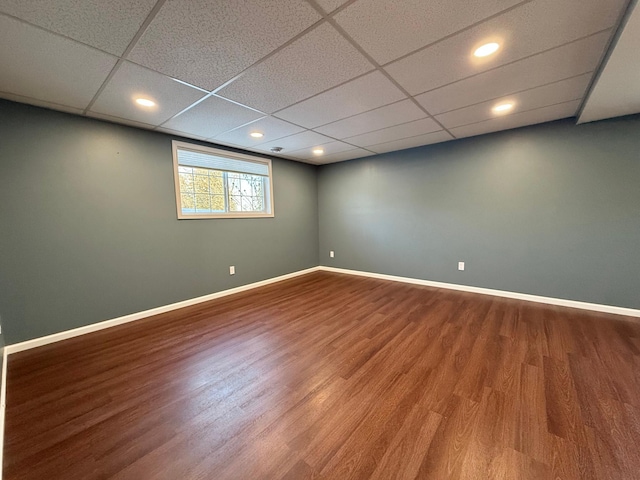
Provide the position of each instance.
(203, 202)
(246, 204)
(201, 183)
(233, 184)
(216, 184)
(235, 203)
(245, 186)
(217, 203)
(186, 183)
(188, 201)
(258, 204)
(207, 187)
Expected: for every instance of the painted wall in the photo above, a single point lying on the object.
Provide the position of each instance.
(550, 210)
(88, 227)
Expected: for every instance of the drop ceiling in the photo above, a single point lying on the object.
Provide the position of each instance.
(353, 78)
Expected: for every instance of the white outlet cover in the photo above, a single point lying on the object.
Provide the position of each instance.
(460, 265)
(332, 254)
(232, 270)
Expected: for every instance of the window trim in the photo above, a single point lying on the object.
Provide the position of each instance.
(175, 145)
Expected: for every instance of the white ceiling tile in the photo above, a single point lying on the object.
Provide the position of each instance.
(211, 117)
(207, 43)
(388, 116)
(559, 92)
(342, 156)
(617, 90)
(418, 141)
(545, 114)
(330, 148)
(523, 31)
(107, 25)
(295, 142)
(179, 134)
(39, 103)
(272, 128)
(316, 62)
(132, 81)
(48, 67)
(405, 130)
(563, 62)
(388, 30)
(330, 5)
(365, 93)
(123, 121)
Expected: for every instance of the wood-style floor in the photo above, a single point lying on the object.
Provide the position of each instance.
(337, 377)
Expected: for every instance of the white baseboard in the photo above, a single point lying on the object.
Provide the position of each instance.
(629, 312)
(57, 337)
(94, 327)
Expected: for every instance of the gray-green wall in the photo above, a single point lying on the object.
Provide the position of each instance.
(88, 227)
(550, 210)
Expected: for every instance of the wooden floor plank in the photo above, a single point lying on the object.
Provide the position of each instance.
(335, 377)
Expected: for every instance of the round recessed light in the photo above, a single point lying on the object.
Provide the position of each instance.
(145, 102)
(487, 49)
(257, 134)
(503, 107)
(318, 151)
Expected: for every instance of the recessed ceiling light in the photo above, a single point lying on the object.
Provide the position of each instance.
(145, 102)
(503, 107)
(318, 151)
(487, 49)
(257, 134)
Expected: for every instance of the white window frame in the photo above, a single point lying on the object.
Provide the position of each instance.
(222, 153)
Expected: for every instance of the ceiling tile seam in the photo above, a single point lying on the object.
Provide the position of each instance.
(115, 117)
(335, 11)
(305, 129)
(458, 32)
(516, 61)
(516, 93)
(307, 30)
(51, 32)
(4, 95)
(238, 103)
(147, 21)
(212, 95)
(187, 84)
(358, 47)
(351, 116)
(516, 113)
(625, 15)
(238, 127)
(342, 84)
(112, 72)
(389, 126)
(406, 138)
(197, 102)
(332, 141)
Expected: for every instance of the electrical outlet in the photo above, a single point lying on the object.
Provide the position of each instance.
(460, 266)
(232, 270)
(332, 254)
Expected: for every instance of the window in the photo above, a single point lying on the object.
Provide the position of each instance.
(212, 183)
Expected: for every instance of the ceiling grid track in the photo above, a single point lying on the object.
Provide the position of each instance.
(378, 67)
(320, 73)
(147, 21)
